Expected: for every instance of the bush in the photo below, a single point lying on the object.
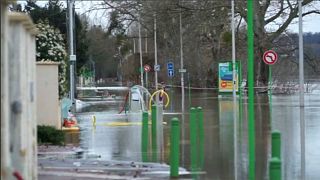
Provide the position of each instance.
(50, 135)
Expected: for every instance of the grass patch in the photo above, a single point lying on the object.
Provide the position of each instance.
(50, 135)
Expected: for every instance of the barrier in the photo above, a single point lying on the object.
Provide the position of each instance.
(193, 139)
(201, 136)
(154, 132)
(196, 138)
(174, 147)
(145, 135)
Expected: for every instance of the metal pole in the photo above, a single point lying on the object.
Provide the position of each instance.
(301, 82)
(181, 65)
(146, 80)
(155, 51)
(251, 123)
(140, 49)
(146, 42)
(234, 92)
(182, 90)
(72, 57)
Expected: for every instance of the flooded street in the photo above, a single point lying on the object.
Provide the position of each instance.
(118, 136)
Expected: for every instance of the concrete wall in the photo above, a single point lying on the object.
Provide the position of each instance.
(48, 94)
(5, 158)
(18, 107)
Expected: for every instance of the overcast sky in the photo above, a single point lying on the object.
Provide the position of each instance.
(311, 23)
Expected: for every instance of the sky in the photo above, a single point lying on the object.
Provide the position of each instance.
(311, 23)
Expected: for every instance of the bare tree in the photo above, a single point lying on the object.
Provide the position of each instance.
(279, 14)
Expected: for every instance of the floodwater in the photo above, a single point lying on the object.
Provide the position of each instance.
(118, 136)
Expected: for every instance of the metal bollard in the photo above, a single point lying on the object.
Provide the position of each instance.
(154, 132)
(193, 139)
(276, 145)
(200, 136)
(174, 147)
(275, 169)
(144, 136)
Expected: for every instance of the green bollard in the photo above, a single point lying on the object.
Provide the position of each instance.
(144, 136)
(275, 169)
(193, 139)
(174, 147)
(201, 137)
(154, 132)
(276, 145)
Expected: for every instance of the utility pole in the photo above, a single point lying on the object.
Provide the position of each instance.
(155, 51)
(140, 49)
(234, 75)
(301, 96)
(181, 66)
(182, 88)
(72, 56)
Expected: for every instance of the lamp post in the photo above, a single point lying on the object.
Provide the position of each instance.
(72, 56)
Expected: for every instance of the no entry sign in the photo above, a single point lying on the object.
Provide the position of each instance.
(270, 57)
(146, 68)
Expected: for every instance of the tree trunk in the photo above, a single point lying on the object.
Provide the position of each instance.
(261, 45)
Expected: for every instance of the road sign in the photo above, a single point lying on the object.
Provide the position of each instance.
(170, 66)
(146, 68)
(157, 67)
(270, 57)
(182, 70)
(170, 73)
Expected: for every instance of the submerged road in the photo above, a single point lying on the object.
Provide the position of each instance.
(112, 142)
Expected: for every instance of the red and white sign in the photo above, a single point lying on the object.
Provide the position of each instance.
(146, 68)
(270, 57)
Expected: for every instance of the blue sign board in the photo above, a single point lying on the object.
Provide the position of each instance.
(170, 65)
(157, 67)
(170, 73)
(170, 68)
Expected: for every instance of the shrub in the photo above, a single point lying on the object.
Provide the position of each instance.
(50, 135)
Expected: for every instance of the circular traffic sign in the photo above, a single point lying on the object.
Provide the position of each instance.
(270, 57)
(223, 84)
(146, 68)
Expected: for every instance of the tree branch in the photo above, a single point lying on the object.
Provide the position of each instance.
(276, 15)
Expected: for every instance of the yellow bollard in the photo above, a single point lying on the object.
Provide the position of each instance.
(94, 120)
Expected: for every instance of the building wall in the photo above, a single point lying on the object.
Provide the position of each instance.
(18, 107)
(5, 158)
(48, 94)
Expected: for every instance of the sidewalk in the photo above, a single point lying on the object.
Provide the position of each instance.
(63, 163)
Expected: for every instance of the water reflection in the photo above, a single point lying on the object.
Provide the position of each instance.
(124, 142)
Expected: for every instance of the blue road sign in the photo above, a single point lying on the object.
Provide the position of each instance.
(170, 66)
(170, 72)
(157, 67)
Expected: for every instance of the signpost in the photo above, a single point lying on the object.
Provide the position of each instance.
(170, 68)
(146, 69)
(270, 57)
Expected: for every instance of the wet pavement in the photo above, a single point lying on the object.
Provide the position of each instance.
(117, 137)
